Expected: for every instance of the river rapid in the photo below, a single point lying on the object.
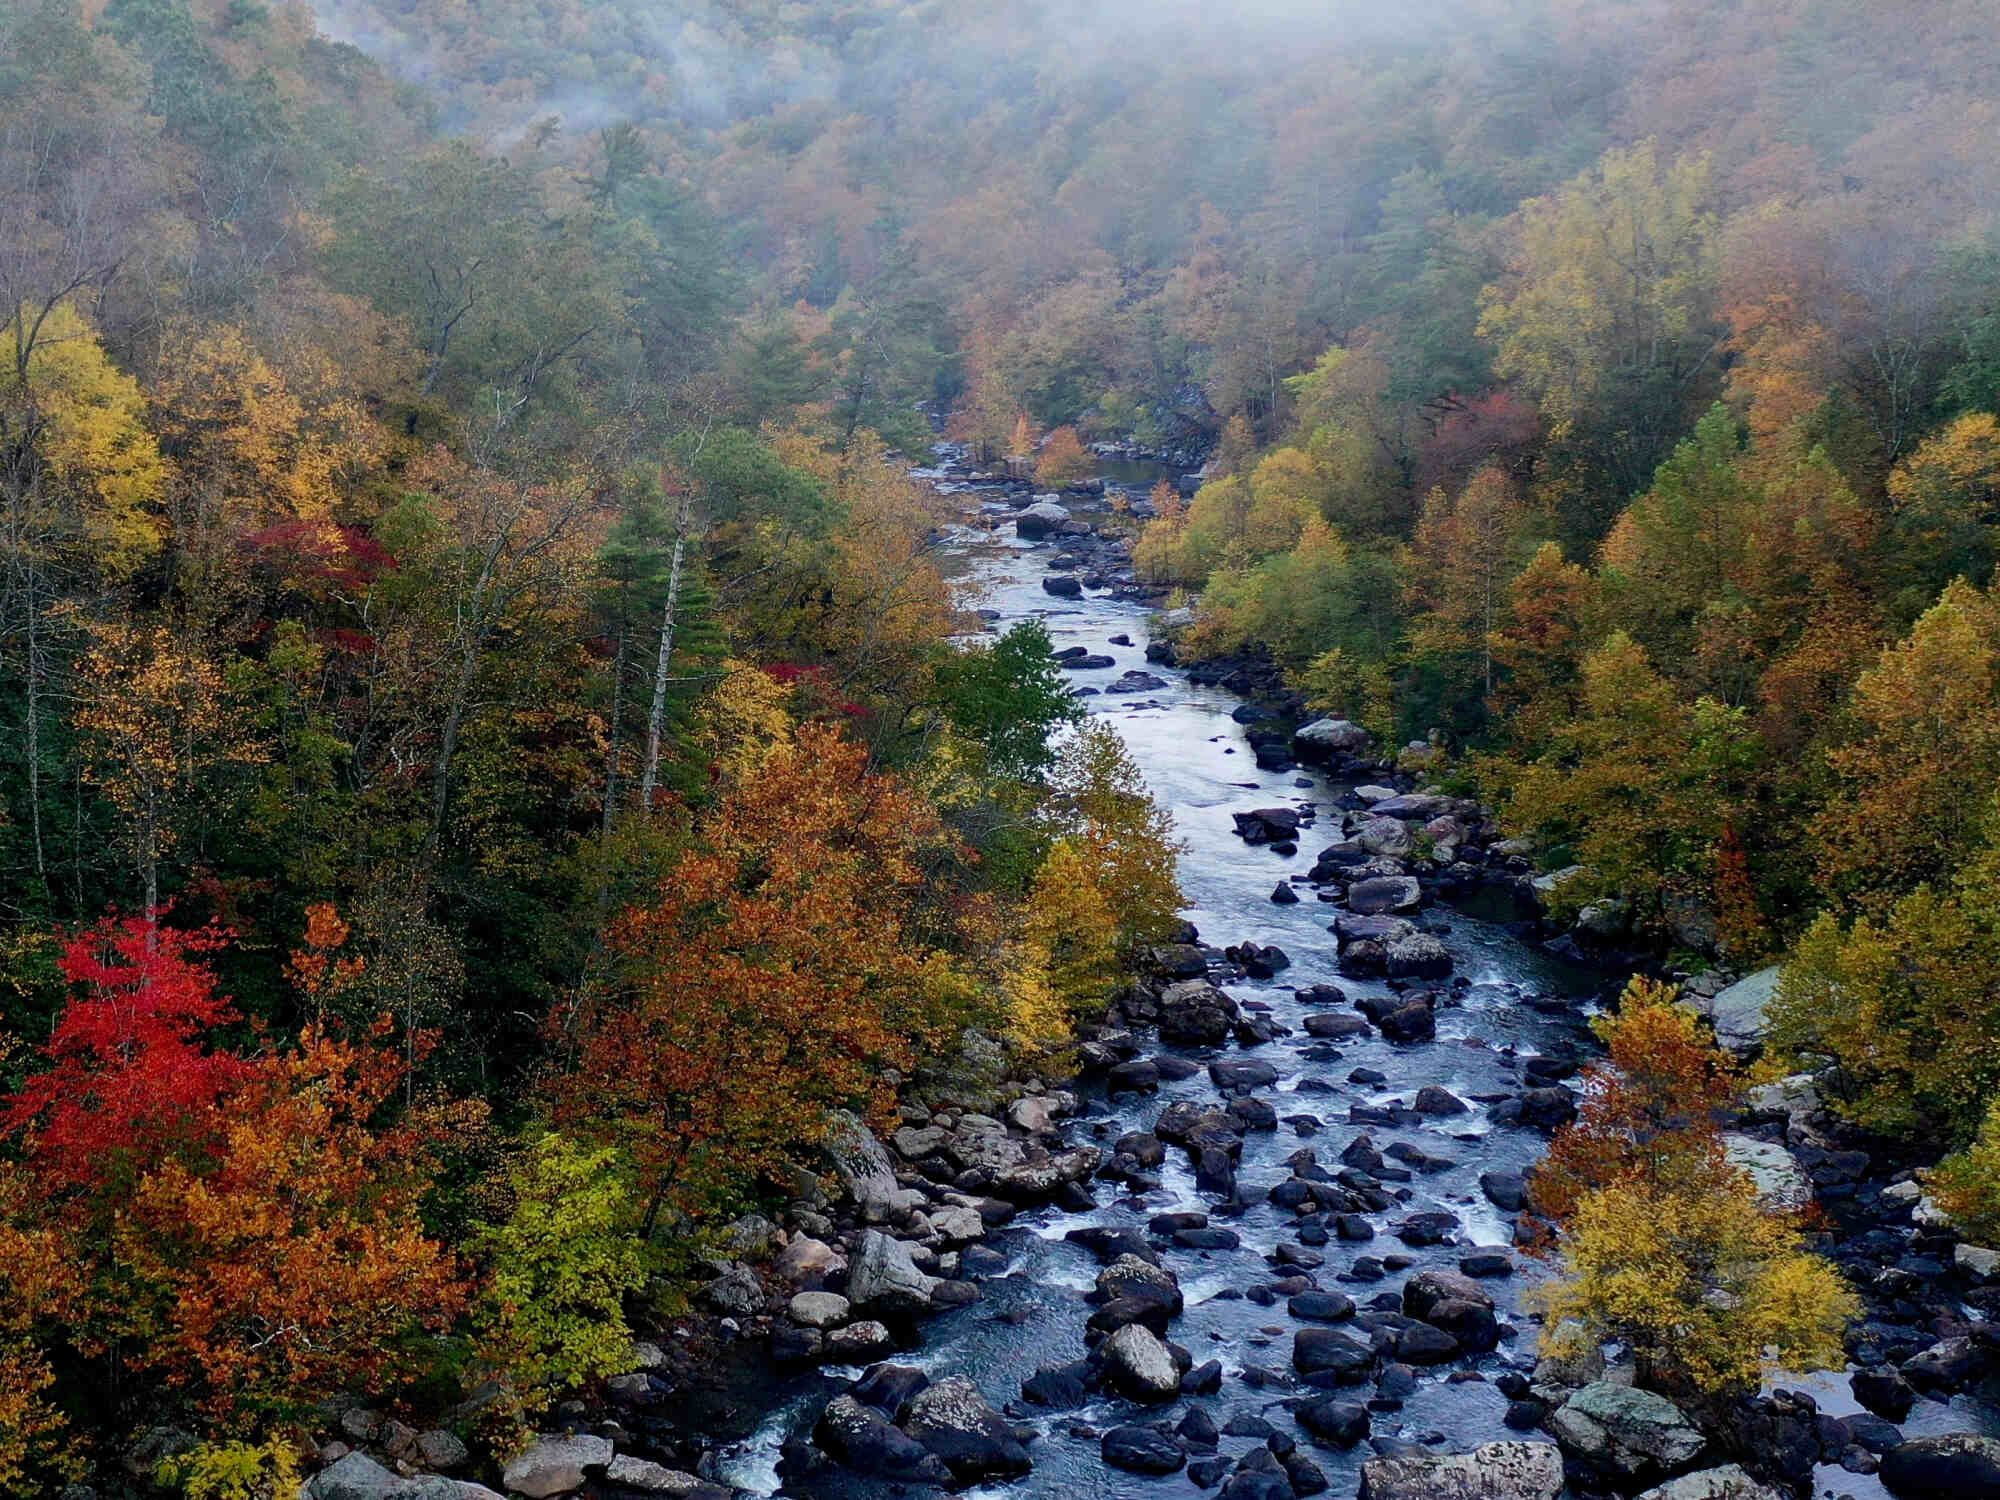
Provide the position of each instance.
(1518, 1003)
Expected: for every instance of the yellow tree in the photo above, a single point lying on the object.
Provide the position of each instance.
(155, 718)
(1610, 305)
(80, 479)
(1458, 567)
(1909, 800)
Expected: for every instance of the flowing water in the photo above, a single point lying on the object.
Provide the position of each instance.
(1197, 764)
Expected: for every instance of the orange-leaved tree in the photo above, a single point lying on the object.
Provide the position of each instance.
(792, 958)
(295, 1261)
(1653, 1111)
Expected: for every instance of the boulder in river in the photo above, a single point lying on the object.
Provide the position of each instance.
(555, 1465)
(1063, 587)
(884, 1277)
(866, 1441)
(1494, 1471)
(1195, 1013)
(1729, 1482)
(1958, 1465)
(1384, 895)
(954, 1422)
(1138, 1363)
(1142, 1450)
(1332, 739)
(1626, 1433)
(1041, 519)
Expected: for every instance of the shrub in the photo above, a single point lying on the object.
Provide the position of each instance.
(558, 1270)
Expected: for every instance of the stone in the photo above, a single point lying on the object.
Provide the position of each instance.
(1954, 1466)
(1493, 1471)
(1976, 1263)
(633, 1473)
(1738, 1012)
(1504, 1190)
(1142, 1450)
(441, 1450)
(1781, 1182)
(553, 1465)
(1317, 1351)
(884, 1278)
(1726, 1483)
(1139, 1364)
(1626, 1431)
(861, 1166)
(356, 1477)
(1195, 1013)
(820, 1310)
(1321, 1307)
(1326, 738)
(955, 1423)
(1434, 1100)
(866, 1339)
(1045, 516)
(1384, 895)
(1062, 587)
(736, 1293)
(805, 1262)
(888, 1388)
(1340, 1424)
(862, 1437)
(1131, 1277)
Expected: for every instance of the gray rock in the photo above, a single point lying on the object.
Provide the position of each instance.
(1726, 1483)
(736, 1293)
(637, 1474)
(1976, 1262)
(956, 1423)
(884, 1278)
(441, 1450)
(864, 1340)
(1140, 1365)
(1040, 519)
(356, 1477)
(1738, 1012)
(555, 1465)
(1781, 1182)
(1626, 1430)
(1387, 836)
(1382, 896)
(804, 1260)
(915, 1142)
(1129, 1276)
(820, 1310)
(1335, 737)
(1494, 1471)
(861, 1165)
(1955, 1466)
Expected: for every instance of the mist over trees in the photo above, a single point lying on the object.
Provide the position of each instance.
(458, 566)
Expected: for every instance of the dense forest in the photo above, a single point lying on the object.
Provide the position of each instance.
(490, 741)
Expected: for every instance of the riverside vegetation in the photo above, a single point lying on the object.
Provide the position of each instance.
(502, 810)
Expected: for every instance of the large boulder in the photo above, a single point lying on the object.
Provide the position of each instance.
(885, 1279)
(956, 1423)
(1330, 739)
(1140, 1365)
(1781, 1182)
(1142, 1450)
(1737, 1013)
(863, 1438)
(1194, 1013)
(1726, 1483)
(1389, 837)
(359, 1477)
(1129, 1276)
(1494, 1471)
(1043, 518)
(1625, 1432)
(555, 1465)
(1955, 1466)
(861, 1165)
(1384, 895)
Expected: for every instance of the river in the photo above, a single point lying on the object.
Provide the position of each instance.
(1197, 764)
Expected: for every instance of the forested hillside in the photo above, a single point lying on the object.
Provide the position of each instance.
(486, 740)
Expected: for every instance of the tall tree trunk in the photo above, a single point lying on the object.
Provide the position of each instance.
(617, 726)
(657, 719)
(35, 722)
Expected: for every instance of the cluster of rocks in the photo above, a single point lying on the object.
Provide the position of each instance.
(606, 1457)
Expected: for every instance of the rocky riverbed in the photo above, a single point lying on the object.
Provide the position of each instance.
(1263, 1246)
